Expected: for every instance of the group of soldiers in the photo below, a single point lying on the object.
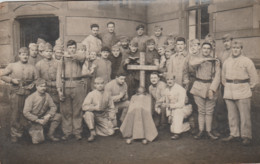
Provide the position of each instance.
(90, 81)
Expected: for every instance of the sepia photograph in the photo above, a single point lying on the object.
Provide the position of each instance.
(129, 81)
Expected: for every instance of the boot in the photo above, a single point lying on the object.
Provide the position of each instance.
(52, 129)
(92, 136)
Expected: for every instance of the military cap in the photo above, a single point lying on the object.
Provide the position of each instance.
(194, 41)
(150, 41)
(170, 37)
(58, 47)
(134, 44)
(47, 46)
(41, 46)
(40, 40)
(206, 42)
(124, 39)
(31, 45)
(139, 26)
(156, 27)
(105, 49)
(227, 37)
(58, 41)
(115, 47)
(40, 82)
(237, 42)
(81, 46)
(23, 50)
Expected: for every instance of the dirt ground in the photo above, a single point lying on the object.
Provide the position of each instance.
(114, 150)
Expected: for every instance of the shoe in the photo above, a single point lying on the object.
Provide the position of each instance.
(65, 137)
(246, 141)
(212, 136)
(129, 141)
(199, 135)
(215, 133)
(52, 138)
(91, 138)
(175, 137)
(229, 139)
(144, 141)
(78, 137)
(14, 139)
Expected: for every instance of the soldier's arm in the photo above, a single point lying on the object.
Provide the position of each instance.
(5, 75)
(216, 80)
(253, 76)
(87, 104)
(79, 57)
(223, 74)
(28, 106)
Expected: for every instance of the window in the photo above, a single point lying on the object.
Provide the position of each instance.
(198, 19)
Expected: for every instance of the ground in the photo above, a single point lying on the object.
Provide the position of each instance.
(113, 149)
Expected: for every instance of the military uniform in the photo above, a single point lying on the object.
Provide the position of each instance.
(26, 74)
(113, 90)
(239, 76)
(70, 108)
(37, 107)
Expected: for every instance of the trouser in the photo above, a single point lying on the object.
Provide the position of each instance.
(36, 130)
(120, 107)
(205, 110)
(178, 115)
(193, 119)
(99, 122)
(220, 115)
(160, 119)
(71, 110)
(18, 121)
(239, 110)
(55, 96)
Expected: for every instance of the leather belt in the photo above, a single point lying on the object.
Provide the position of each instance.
(237, 81)
(204, 80)
(73, 78)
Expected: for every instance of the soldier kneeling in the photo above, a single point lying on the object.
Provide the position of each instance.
(40, 109)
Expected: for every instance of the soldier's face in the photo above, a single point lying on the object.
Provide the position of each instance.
(154, 79)
(227, 44)
(120, 80)
(41, 88)
(133, 49)
(236, 50)
(92, 56)
(170, 42)
(111, 28)
(206, 50)
(33, 51)
(95, 31)
(99, 85)
(58, 54)
(168, 54)
(151, 47)
(24, 56)
(161, 51)
(124, 44)
(170, 81)
(115, 52)
(71, 49)
(104, 54)
(194, 48)
(158, 32)
(180, 45)
(47, 54)
(140, 31)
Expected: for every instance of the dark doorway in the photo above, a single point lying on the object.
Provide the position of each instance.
(32, 28)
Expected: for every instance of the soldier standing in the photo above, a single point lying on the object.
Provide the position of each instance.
(21, 75)
(70, 88)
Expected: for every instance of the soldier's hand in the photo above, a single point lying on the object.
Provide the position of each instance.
(158, 110)
(15, 81)
(40, 121)
(211, 94)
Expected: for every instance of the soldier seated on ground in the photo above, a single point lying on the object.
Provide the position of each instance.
(96, 107)
(40, 109)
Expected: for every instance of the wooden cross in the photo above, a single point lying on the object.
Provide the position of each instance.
(142, 68)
